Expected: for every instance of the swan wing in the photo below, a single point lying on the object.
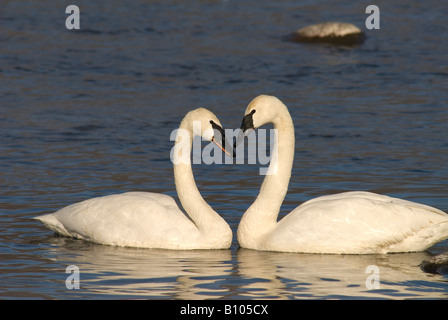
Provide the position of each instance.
(359, 222)
(137, 219)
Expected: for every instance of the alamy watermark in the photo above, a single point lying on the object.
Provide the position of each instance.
(373, 280)
(72, 22)
(73, 280)
(261, 147)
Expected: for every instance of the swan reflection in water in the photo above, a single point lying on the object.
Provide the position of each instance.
(301, 276)
(242, 273)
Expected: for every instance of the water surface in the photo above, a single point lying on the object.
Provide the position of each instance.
(89, 113)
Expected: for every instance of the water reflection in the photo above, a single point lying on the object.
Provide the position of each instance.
(107, 271)
(301, 276)
(149, 273)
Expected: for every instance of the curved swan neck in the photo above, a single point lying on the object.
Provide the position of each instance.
(205, 218)
(263, 213)
(275, 185)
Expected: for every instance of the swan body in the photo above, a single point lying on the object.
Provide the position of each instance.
(356, 222)
(152, 220)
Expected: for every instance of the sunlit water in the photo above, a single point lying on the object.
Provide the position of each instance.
(88, 113)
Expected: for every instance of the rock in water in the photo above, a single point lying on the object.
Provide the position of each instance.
(338, 33)
(436, 264)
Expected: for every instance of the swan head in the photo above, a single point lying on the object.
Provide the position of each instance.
(261, 110)
(204, 123)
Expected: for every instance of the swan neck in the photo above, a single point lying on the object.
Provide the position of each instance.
(195, 206)
(262, 215)
(275, 185)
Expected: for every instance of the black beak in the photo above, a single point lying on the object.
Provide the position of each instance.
(221, 137)
(248, 122)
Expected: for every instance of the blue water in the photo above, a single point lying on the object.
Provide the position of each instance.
(89, 112)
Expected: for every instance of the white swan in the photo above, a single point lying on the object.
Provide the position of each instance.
(152, 220)
(346, 223)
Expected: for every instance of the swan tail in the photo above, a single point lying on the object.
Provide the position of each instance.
(439, 232)
(52, 223)
(422, 239)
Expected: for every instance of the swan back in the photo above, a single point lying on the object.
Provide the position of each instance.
(358, 223)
